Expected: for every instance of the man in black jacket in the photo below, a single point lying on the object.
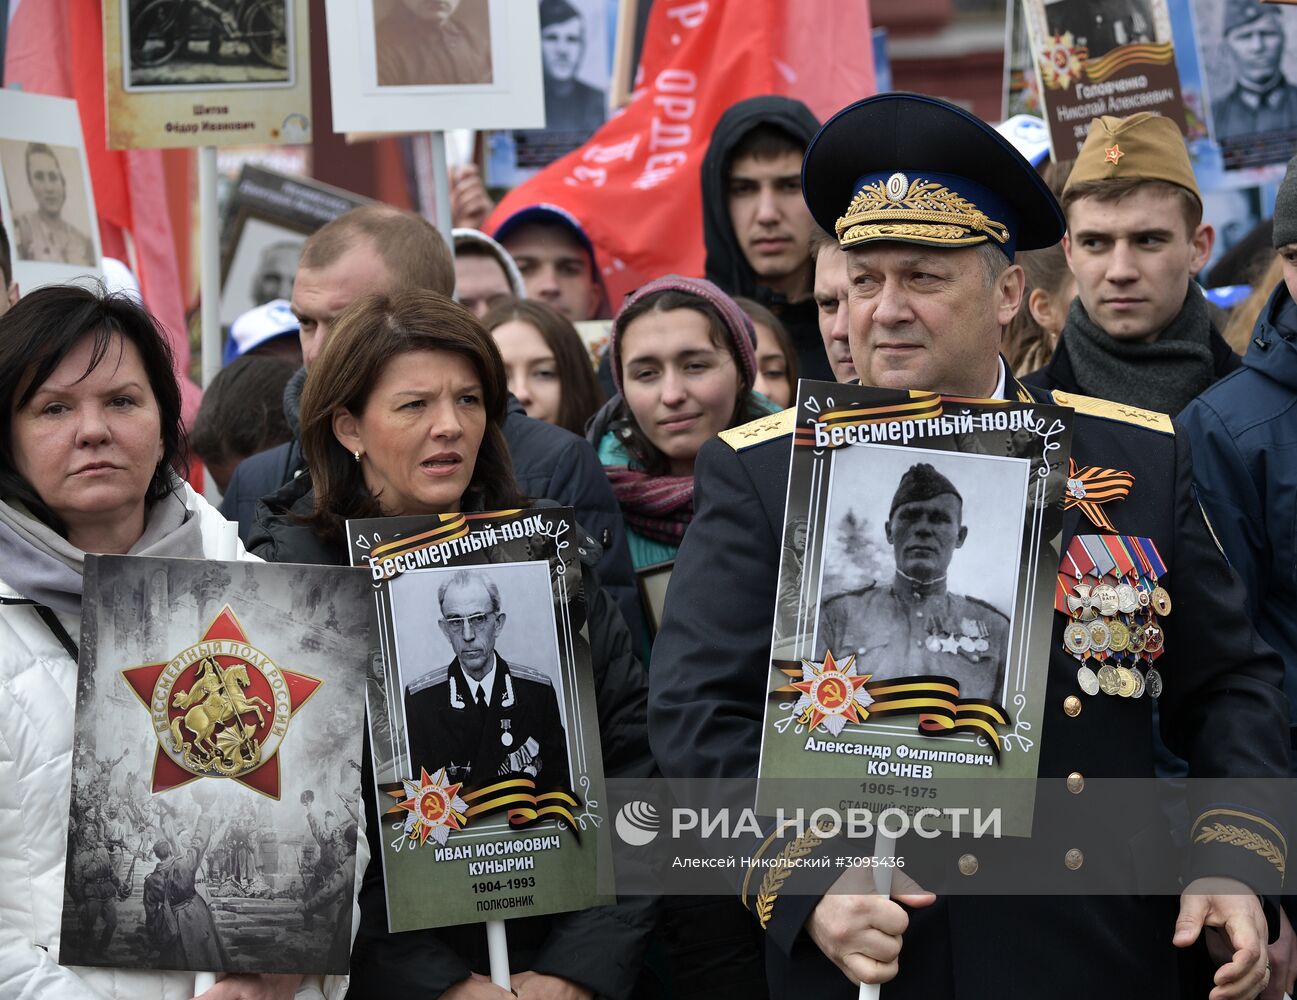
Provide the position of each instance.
(755, 225)
(930, 298)
(1138, 331)
(377, 249)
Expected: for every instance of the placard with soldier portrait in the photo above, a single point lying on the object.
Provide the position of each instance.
(216, 767)
(206, 72)
(46, 202)
(912, 633)
(483, 722)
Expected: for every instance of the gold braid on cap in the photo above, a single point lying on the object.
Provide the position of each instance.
(901, 209)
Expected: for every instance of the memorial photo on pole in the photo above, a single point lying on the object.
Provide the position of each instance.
(47, 202)
(483, 724)
(216, 767)
(1248, 52)
(913, 616)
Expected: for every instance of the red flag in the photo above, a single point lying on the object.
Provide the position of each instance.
(635, 185)
(56, 47)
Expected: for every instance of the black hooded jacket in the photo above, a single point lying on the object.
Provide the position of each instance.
(726, 266)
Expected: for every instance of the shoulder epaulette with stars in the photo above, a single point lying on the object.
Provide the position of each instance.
(761, 430)
(1108, 410)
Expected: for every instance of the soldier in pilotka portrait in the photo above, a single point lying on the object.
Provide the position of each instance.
(914, 625)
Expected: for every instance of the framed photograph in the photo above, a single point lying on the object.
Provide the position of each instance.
(261, 264)
(46, 201)
(1248, 53)
(206, 72)
(1101, 57)
(913, 618)
(413, 66)
(216, 767)
(576, 76)
(653, 583)
(483, 722)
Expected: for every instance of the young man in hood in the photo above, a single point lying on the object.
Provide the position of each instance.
(755, 224)
(1138, 331)
(485, 274)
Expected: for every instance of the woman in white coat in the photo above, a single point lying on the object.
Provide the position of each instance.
(90, 437)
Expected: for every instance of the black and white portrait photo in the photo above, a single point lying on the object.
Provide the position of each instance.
(1249, 62)
(575, 74)
(47, 203)
(920, 568)
(478, 653)
(261, 267)
(432, 43)
(197, 44)
(1102, 25)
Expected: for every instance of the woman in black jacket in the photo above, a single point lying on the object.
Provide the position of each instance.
(401, 415)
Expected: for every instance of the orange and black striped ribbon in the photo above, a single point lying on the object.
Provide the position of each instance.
(517, 796)
(1100, 486)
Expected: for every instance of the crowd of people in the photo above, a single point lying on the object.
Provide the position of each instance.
(408, 377)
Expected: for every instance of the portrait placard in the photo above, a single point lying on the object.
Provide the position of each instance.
(1101, 57)
(193, 73)
(268, 218)
(216, 766)
(1248, 52)
(46, 202)
(483, 722)
(412, 66)
(912, 633)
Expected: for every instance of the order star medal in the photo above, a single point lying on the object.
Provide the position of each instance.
(435, 807)
(220, 709)
(832, 694)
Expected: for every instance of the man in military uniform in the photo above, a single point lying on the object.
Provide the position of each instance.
(929, 300)
(480, 717)
(1262, 99)
(915, 625)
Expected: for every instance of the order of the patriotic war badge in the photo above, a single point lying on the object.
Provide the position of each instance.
(216, 776)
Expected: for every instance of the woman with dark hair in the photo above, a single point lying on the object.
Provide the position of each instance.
(1032, 334)
(90, 440)
(547, 364)
(684, 363)
(402, 415)
(776, 356)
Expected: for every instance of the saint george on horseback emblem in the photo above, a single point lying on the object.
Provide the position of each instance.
(220, 708)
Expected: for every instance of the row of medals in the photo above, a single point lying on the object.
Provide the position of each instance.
(1117, 621)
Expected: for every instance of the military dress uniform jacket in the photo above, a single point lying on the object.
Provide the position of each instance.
(479, 746)
(1222, 709)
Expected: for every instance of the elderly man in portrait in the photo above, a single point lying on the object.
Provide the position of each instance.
(479, 717)
(43, 234)
(425, 43)
(915, 625)
(1262, 99)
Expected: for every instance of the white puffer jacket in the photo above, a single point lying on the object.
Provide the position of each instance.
(37, 699)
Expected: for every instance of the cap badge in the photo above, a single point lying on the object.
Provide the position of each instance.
(1113, 154)
(897, 186)
(919, 209)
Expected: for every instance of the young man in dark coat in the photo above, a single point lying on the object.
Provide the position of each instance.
(755, 225)
(1138, 331)
(929, 304)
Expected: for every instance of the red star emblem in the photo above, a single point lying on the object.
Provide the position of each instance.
(1113, 153)
(833, 690)
(246, 701)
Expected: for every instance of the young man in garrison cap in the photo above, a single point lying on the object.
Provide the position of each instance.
(1262, 99)
(929, 301)
(1138, 331)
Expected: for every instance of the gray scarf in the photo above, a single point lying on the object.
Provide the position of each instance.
(1163, 376)
(45, 567)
